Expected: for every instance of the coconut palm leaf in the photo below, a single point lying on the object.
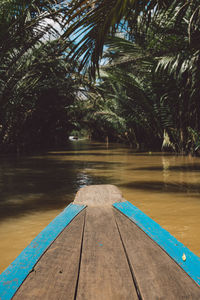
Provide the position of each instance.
(97, 19)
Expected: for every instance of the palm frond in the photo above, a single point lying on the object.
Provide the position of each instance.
(95, 20)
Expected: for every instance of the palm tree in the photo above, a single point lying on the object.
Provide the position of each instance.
(30, 65)
(158, 73)
(127, 80)
(178, 60)
(91, 22)
(38, 104)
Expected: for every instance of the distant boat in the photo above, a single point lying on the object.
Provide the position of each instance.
(102, 247)
(73, 138)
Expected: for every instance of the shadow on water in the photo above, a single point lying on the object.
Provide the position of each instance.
(83, 145)
(85, 153)
(29, 185)
(163, 187)
(184, 168)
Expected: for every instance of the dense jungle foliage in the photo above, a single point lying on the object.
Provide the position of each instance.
(123, 70)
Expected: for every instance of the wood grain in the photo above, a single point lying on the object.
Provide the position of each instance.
(55, 275)
(157, 275)
(103, 255)
(104, 271)
(175, 249)
(98, 195)
(18, 270)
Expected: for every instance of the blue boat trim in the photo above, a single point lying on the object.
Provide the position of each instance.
(163, 238)
(16, 273)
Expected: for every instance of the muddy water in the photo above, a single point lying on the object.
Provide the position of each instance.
(34, 189)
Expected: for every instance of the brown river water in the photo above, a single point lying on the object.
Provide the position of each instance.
(34, 189)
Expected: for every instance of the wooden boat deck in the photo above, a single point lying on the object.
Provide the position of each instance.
(102, 255)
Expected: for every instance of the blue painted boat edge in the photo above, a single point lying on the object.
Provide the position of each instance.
(163, 238)
(18, 270)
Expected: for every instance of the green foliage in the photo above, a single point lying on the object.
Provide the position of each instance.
(95, 20)
(147, 93)
(194, 140)
(152, 76)
(37, 82)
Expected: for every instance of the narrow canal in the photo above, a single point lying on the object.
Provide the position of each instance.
(34, 189)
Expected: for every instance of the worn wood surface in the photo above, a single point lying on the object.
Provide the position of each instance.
(104, 271)
(98, 195)
(157, 275)
(16, 273)
(101, 254)
(175, 249)
(55, 275)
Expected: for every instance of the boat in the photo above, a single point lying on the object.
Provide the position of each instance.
(73, 138)
(103, 247)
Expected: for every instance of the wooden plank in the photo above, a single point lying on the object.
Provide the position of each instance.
(104, 270)
(55, 275)
(98, 195)
(157, 275)
(163, 238)
(15, 274)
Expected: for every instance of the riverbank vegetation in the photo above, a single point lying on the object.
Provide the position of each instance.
(127, 71)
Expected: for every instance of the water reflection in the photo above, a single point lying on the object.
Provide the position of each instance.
(164, 186)
(83, 179)
(34, 189)
(45, 184)
(166, 166)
